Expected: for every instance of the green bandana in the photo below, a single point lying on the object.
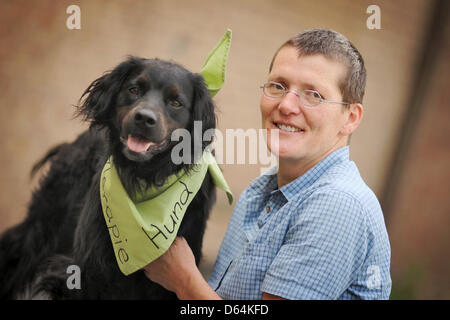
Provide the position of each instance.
(142, 229)
(213, 71)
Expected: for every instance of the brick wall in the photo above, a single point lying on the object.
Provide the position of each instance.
(45, 67)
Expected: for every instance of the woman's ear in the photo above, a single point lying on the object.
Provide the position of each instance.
(354, 116)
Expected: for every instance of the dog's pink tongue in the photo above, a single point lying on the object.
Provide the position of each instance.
(137, 144)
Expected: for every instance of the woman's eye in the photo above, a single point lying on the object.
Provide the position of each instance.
(134, 90)
(276, 86)
(316, 95)
(175, 103)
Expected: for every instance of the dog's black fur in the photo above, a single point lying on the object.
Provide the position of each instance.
(143, 98)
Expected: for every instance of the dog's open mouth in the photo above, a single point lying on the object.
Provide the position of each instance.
(140, 144)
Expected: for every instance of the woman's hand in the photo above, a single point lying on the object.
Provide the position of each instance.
(173, 269)
(176, 271)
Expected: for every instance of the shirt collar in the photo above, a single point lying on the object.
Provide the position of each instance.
(310, 176)
(267, 182)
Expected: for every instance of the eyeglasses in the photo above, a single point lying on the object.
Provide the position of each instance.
(309, 98)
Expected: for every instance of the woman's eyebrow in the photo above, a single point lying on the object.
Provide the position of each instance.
(303, 85)
(276, 78)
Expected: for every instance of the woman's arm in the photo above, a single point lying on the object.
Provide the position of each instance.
(176, 271)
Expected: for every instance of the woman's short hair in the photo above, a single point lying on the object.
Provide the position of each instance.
(335, 46)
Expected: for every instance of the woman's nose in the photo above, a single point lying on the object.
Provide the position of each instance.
(290, 103)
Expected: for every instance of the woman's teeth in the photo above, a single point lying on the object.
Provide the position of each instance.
(288, 128)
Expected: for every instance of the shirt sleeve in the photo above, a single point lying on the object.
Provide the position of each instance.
(323, 248)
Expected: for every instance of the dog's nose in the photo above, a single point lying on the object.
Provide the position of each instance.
(145, 117)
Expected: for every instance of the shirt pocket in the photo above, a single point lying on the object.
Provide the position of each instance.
(245, 274)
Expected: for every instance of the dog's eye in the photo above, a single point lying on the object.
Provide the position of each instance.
(134, 90)
(175, 104)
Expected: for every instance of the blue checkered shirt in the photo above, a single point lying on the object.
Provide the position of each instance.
(322, 236)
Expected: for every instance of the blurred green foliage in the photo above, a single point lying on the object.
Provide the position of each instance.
(408, 285)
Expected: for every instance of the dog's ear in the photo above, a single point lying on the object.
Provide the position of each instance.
(203, 107)
(97, 101)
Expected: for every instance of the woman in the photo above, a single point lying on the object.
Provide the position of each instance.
(309, 228)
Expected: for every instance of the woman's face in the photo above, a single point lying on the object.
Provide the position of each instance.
(306, 134)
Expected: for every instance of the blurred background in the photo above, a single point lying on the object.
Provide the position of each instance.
(400, 147)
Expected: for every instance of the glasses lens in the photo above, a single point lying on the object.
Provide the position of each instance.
(310, 98)
(274, 89)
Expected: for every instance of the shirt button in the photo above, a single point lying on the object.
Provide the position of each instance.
(267, 209)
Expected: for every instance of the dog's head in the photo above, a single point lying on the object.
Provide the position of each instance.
(142, 101)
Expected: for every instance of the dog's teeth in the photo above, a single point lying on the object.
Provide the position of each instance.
(150, 145)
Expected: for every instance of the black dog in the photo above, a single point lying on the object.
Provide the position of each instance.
(133, 110)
